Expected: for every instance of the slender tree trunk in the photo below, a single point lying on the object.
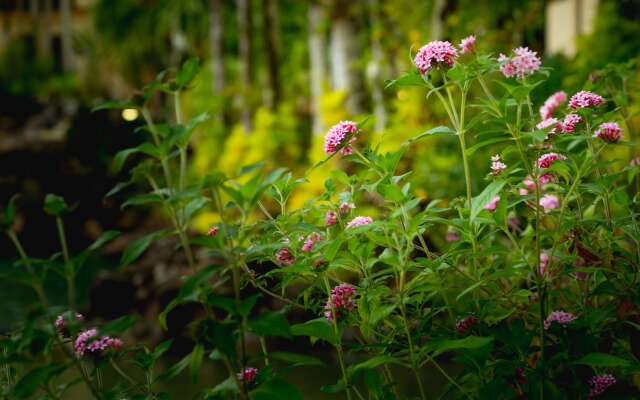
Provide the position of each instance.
(270, 34)
(245, 39)
(66, 28)
(375, 66)
(342, 52)
(317, 61)
(436, 19)
(217, 57)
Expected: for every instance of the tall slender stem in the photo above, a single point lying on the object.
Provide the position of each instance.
(336, 331)
(412, 355)
(69, 271)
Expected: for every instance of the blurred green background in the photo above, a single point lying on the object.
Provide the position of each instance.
(276, 74)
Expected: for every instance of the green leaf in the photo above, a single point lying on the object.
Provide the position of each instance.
(469, 151)
(175, 369)
(319, 328)
(118, 326)
(114, 104)
(602, 360)
(121, 157)
(438, 130)
(35, 378)
(373, 363)
(187, 72)
(470, 342)
(196, 361)
(9, 213)
(270, 324)
(491, 191)
(295, 359)
(276, 389)
(411, 78)
(55, 205)
(138, 246)
(470, 289)
(142, 199)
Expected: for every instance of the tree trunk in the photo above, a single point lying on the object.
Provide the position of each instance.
(270, 34)
(342, 52)
(374, 67)
(66, 35)
(317, 48)
(436, 19)
(245, 35)
(217, 57)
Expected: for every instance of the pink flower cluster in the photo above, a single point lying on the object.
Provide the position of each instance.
(497, 166)
(345, 207)
(568, 125)
(468, 44)
(338, 134)
(600, 383)
(524, 62)
(452, 235)
(433, 53)
(61, 325)
(549, 202)
(544, 263)
(464, 324)
(584, 99)
(609, 132)
(493, 204)
(248, 374)
(213, 231)
(359, 221)
(330, 218)
(284, 257)
(341, 300)
(552, 123)
(560, 317)
(551, 104)
(528, 182)
(310, 241)
(88, 341)
(546, 160)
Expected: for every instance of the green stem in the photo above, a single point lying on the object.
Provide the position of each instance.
(120, 372)
(412, 354)
(68, 265)
(338, 337)
(263, 345)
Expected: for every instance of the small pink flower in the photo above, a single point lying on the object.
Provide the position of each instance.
(551, 104)
(464, 324)
(549, 123)
(497, 166)
(452, 235)
(579, 263)
(524, 62)
(310, 241)
(341, 301)
(513, 221)
(213, 231)
(635, 161)
(359, 221)
(344, 208)
(88, 341)
(560, 317)
(61, 324)
(546, 160)
(523, 192)
(330, 218)
(585, 99)
(568, 125)
(284, 257)
(600, 383)
(544, 263)
(549, 202)
(338, 134)
(433, 54)
(609, 132)
(493, 204)
(248, 374)
(468, 44)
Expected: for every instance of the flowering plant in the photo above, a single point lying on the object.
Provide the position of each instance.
(525, 287)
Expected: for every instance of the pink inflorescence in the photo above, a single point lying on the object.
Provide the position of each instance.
(546, 160)
(468, 44)
(609, 132)
(433, 53)
(345, 207)
(341, 300)
(359, 221)
(338, 134)
(561, 317)
(88, 341)
(464, 324)
(551, 104)
(284, 256)
(549, 202)
(568, 124)
(310, 241)
(330, 218)
(544, 263)
(584, 99)
(493, 204)
(600, 383)
(524, 62)
(61, 324)
(248, 374)
(552, 123)
(452, 235)
(213, 231)
(497, 166)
